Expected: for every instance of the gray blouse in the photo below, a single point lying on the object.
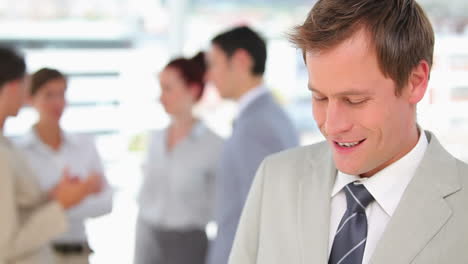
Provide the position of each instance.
(178, 186)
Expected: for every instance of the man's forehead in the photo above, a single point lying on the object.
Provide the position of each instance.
(359, 42)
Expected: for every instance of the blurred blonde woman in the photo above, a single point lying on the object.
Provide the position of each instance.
(50, 151)
(176, 198)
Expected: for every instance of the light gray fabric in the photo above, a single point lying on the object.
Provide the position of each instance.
(146, 245)
(262, 128)
(157, 246)
(179, 185)
(77, 153)
(287, 215)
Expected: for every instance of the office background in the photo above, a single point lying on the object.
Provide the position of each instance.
(112, 51)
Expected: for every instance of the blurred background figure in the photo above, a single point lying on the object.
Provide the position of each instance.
(176, 198)
(50, 151)
(236, 66)
(29, 218)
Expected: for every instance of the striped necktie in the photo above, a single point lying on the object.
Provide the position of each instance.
(351, 235)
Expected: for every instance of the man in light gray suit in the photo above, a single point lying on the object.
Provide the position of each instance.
(236, 63)
(380, 189)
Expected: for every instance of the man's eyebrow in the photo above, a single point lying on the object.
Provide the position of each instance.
(344, 93)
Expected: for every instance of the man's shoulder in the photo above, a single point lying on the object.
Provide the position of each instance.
(462, 167)
(286, 170)
(266, 114)
(299, 155)
(263, 105)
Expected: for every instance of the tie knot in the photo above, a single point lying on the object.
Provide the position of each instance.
(357, 197)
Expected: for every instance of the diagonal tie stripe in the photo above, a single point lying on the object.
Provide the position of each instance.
(340, 227)
(350, 238)
(348, 190)
(357, 197)
(360, 245)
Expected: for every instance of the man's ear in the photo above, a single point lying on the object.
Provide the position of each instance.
(241, 58)
(195, 91)
(9, 87)
(29, 100)
(418, 81)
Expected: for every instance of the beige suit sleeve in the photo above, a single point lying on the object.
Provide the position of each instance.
(28, 192)
(245, 247)
(42, 225)
(39, 221)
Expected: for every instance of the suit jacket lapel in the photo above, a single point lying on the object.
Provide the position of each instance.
(422, 211)
(314, 207)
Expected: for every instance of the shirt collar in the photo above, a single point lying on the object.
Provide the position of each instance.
(388, 185)
(249, 97)
(32, 139)
(197, 130)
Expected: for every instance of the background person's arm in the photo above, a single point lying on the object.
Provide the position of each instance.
(100, 201)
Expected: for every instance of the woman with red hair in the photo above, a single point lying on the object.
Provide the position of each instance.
(176, 197)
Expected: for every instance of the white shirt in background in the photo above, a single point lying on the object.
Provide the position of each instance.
(78, 153)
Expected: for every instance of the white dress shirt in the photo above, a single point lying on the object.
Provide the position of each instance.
(386, 186)
(178, 185)
(78, 153)
(249, 97)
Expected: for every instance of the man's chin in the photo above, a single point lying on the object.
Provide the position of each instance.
(350, 169)
(349, 172)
